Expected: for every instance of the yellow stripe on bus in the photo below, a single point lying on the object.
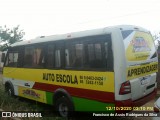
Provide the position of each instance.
(142, 70)
(93, 80)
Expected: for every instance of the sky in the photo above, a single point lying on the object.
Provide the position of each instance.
(49, 17)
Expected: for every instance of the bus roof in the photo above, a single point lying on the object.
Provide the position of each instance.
(74, 35)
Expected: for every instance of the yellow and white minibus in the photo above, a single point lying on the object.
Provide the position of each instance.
(112, 68)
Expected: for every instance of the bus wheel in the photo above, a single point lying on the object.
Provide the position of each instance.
(9, 90)
(64, 106)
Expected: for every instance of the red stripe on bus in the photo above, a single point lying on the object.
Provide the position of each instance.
(78, 92)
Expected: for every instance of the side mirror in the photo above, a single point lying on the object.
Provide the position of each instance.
(3, 57)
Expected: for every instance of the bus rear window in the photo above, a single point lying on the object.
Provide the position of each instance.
(139, 45)
(126, 33)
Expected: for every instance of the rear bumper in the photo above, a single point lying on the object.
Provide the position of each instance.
(145, 99)
(136, 103)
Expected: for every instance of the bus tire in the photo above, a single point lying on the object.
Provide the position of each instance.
(9, 90)
(64, 106)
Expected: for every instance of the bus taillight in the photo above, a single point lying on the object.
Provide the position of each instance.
(125, 88)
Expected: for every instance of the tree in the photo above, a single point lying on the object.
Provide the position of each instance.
(156, 37)
(10, 36)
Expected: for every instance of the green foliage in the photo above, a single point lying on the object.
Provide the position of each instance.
(156, 37)
(10, 36)
(16, 104)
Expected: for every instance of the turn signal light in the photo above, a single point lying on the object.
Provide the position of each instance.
(125, 88)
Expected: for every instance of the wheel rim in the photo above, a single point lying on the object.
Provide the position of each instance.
(9, 92)
(63, 110)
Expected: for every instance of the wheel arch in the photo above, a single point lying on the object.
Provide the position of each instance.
(9, 84)
(60, 92)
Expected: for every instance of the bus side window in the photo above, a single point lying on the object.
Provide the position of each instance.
(3, 57)
(79, 55)
(12, 59)
(95, 55)
(50, 56)
(106, 50)
(28, 56)
(74, 55)
(57, 58)
(34, 57)
(38, 57)
(67, 58)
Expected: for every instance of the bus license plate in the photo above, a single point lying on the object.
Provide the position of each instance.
(144, 80)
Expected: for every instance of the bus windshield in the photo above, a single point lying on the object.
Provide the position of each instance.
(139, 45)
